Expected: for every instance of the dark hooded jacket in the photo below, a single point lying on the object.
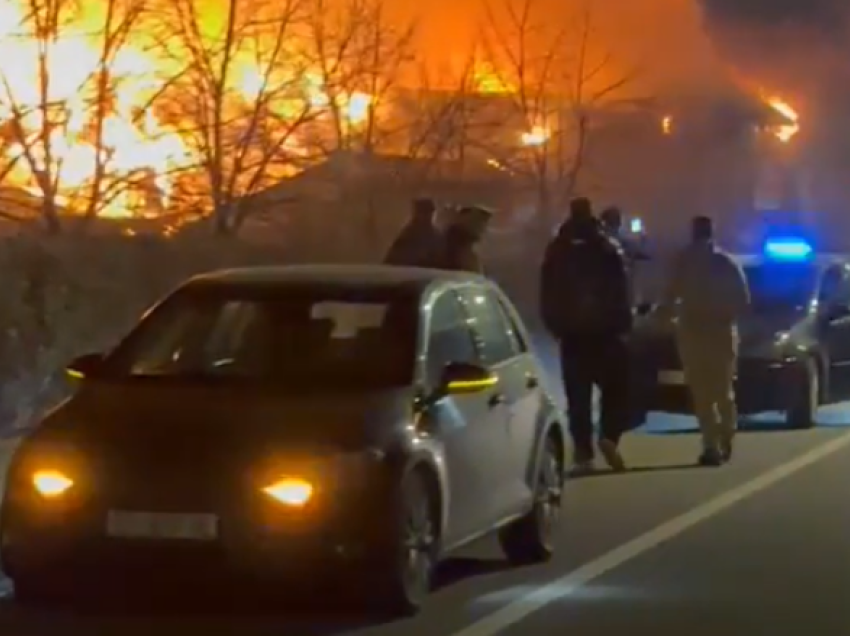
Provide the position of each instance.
(419, 244)
(461, 250)
(584, 283)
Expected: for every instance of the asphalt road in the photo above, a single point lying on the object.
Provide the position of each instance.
(759, 545)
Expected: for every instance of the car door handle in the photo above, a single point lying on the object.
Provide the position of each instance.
(495, 400)
(532, 382)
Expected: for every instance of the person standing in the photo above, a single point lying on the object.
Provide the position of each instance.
(462, 237)
(634, 250)
(708, 294)
(420, 243)
(586, 306)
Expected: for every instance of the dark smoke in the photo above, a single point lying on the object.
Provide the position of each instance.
(825, 16)
(797, 47)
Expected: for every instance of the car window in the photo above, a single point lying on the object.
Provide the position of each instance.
(491, 325)
(842, 291)
(299, 339)
(514, 332)
(449, 337)
(831, 283)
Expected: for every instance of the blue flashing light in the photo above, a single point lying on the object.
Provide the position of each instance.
(790, 249)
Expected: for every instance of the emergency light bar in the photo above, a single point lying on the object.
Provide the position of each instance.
(787, 249)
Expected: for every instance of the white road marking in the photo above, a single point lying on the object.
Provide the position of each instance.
(571, 582)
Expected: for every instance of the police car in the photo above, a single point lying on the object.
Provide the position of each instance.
(794, 345)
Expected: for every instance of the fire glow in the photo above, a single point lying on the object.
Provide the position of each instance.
(785, 132)
(63, 135)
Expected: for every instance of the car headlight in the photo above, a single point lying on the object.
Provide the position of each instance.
(290, 491)
(777, 346)
(51, 483)
(294, 482)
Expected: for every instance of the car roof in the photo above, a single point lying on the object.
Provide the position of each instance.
(416, 279)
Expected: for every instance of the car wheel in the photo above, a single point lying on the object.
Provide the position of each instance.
(807, 397)
(531, 538)
(406, 575)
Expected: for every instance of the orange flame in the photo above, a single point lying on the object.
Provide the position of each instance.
(52, 133)
(785, 132)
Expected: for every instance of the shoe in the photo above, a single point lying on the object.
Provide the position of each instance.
(582, 468)
(710, 457)
(612, 455)
(582, 464)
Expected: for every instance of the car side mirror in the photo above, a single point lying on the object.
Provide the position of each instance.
(461, 378)
(84, 366)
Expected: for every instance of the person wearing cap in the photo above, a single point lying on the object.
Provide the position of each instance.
(462, 237)
(420, 243)
(707, 294)
(585, 305)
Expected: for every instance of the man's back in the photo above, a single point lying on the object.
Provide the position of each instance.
(417, 245)
(709, 286)
(584, 284)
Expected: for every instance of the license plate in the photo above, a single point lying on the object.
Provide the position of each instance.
(671, 378)
(161, 525)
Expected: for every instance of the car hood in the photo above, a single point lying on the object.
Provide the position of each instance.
(753, 330)
(134, 419)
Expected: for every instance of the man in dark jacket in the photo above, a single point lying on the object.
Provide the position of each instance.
(612, 224)
(632, 245)
(586, 306)
(462, 237)
(420, 243)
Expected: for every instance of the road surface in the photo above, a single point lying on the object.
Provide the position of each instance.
(758, 546)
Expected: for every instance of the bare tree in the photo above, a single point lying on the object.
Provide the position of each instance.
(357, 58)
(548, 81)
(102, 91)
(437, 115)
(240, 97)
(57, 91)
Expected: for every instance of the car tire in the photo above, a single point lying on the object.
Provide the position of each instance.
(531, 538)
(803, 411)
(405, 574)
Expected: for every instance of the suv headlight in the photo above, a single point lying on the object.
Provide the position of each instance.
(775, 347)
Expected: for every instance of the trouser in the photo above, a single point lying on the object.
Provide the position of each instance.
(603, 363)
(710, 362)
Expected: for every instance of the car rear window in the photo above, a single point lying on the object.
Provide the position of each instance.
(305, 337)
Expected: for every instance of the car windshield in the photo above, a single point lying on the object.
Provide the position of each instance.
(781, 286)
(307, 338)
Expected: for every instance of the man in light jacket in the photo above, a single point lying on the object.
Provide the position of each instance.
(708, 294)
